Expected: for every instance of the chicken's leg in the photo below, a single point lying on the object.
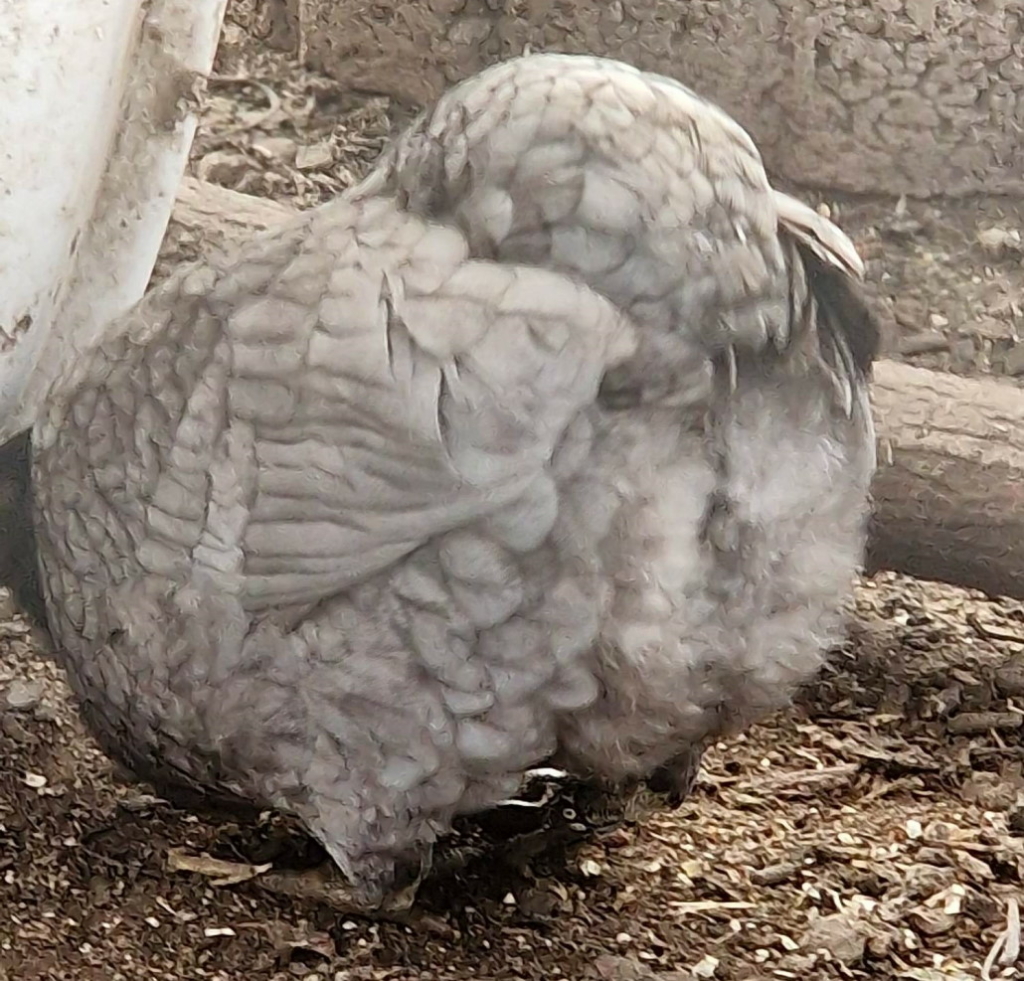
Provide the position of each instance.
(325, 884)
(677, 778)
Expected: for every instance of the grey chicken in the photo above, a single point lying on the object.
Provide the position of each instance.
(548, 442)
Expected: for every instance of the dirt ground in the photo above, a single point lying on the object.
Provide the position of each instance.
(874, 831)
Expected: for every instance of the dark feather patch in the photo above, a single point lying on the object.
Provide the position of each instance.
(843, 308)
(19, 569)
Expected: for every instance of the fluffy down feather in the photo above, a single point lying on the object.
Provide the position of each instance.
(549, 441)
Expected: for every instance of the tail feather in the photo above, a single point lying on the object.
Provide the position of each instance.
(848, 329)
(821, 236)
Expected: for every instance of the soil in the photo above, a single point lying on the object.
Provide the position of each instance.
(876, 830)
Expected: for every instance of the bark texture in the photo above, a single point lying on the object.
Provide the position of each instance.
(916, 97)
(949, 489)
(207, 219)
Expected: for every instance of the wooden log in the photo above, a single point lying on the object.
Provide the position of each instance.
(208, 219)
(916, 97)
(949, 489)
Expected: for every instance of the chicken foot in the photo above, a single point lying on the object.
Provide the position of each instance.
(326, 885)
(677, 778)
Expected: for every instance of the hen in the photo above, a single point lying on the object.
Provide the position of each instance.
(549, 441)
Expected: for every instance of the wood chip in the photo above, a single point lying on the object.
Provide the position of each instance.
(772, 875)
(709, 906)
(219, 871)
(22, 696)
(925, 342)
(974, 723)
(317, 157)
(841, 935)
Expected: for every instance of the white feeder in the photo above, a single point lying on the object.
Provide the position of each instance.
(97, 114)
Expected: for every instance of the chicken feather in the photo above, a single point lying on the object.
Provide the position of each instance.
(550, 440)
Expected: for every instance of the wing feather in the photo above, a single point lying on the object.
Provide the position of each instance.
(357, 382)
